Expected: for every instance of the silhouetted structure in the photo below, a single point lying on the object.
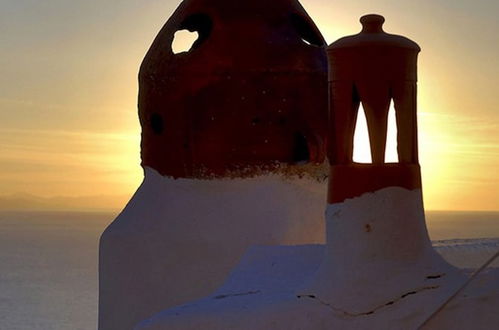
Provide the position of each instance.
(372, 67)
(251, 92)
(248, 98)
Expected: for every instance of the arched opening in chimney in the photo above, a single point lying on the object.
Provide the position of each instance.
(361, 144)
(391, 154)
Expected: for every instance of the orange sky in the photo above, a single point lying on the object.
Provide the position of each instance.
(68, 118)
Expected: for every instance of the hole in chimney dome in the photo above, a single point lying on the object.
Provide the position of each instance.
(301, 153)
(200, 23)
(156, 123)
(308, 33)
(183, 41)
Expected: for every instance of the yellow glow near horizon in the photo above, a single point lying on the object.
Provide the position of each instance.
(76, 163)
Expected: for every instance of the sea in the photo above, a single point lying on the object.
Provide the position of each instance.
(48, 263)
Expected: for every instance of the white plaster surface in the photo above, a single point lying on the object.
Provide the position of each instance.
(387, 277)
(378, 244)
(468, 253)
(268, 276)
(177, 240)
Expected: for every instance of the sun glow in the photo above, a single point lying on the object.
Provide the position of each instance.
(69, 121)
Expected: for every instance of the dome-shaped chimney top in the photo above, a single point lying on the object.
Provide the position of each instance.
(249, 97)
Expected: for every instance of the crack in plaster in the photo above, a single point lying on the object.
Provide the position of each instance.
(223, 296)
(389, 303)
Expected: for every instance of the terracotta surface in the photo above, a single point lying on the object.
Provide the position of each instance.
(372, 67)
(251, 92)
(349, 181)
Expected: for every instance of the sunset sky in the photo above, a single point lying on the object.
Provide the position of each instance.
(68, 89)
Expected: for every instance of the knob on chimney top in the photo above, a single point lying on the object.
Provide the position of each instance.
(372, 23)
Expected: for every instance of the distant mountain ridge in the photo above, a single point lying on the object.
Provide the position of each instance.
(25, 201)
